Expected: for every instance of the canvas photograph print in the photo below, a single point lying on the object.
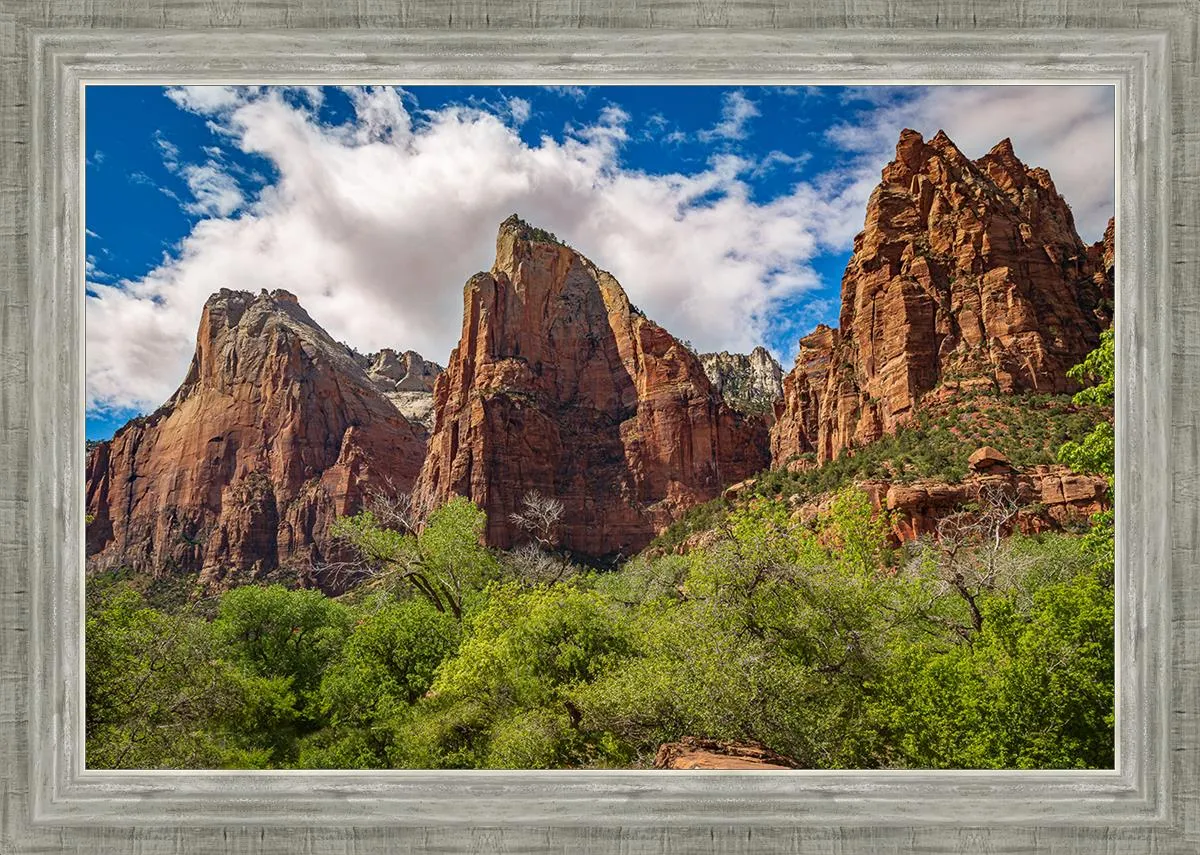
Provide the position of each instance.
(644, 427)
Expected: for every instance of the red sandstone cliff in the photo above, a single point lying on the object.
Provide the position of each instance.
(968, 274)
(274, 432)
(559, 385)
(1041, 498)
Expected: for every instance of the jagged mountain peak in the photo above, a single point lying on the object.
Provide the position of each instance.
(967, 274)
(275, 431)
(516, 228)
(559, 386)
(1004, 148)
(749, 382)
(244, 337)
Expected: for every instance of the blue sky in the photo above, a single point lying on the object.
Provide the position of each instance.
(727, 213)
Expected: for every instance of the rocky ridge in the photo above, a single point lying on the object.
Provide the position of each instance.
(558, 385)
(1043, 498)
(968, 275)
(275, 431)
(406, 379)
(750, 383)
(1040, 498)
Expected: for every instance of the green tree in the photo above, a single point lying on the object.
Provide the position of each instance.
(771, 637)
(160, 695)
(1096, 452)
(1034, 689)
(276, 632)
(386, 666)
(504, 700)
(286, 638)
(443, 560)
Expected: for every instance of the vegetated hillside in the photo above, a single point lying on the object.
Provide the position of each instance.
(936, 446)
(787, 640)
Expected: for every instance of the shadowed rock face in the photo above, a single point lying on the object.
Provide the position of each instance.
(275, 430)
(968, 274)
(558, 385)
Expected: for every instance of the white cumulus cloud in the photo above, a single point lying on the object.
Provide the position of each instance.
(736, 112)
(376, 224)
(1069, 130)
(215, 191)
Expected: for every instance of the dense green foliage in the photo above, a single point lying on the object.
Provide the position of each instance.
(815, 637)
(1096, 452)
(820, 641)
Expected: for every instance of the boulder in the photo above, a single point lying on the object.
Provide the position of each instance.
(692, 752)
(988, 460)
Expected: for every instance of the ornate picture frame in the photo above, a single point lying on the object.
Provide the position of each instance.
(48, 802)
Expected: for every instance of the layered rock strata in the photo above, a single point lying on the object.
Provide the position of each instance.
(559, 386)
(968, 274)
(275, 431)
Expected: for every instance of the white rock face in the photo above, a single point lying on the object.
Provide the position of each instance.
(417, 406)
(406, 379)
(750, 382)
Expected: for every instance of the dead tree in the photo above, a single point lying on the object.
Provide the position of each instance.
(970, 551)
(540, 560)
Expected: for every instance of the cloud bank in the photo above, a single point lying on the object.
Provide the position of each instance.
(375, 224)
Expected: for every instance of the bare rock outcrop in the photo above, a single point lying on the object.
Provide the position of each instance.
(406, 379)
(1043, 498)
(749, 382)
(967, 274)
(693, 752)
(558, 385)
(274, 432)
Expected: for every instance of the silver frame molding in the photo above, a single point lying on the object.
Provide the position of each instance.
(49, 51)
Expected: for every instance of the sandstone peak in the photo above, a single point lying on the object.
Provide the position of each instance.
(966, 272)
(515, 227)
(943, 146)
(275, 431)
(1004, 148)
(406, 379)
(513, 222)
(242, 336)
(750, 383)
(941, 140)
(558, 386)
(278, 295)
